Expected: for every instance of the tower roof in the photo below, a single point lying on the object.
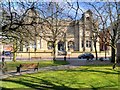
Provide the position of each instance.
(89, 11)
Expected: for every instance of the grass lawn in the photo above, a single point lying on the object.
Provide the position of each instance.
(74, 79)
(43, 63)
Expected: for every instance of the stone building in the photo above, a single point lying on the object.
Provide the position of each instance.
(80, 34)
(104, 40)
(77, 37)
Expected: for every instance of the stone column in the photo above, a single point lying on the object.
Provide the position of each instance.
(66, 45)
(56, 48)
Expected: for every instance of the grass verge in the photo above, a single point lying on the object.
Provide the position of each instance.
(84, 77)
(43, 63)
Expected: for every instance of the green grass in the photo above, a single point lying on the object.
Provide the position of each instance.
(83, 77)
(43, 63)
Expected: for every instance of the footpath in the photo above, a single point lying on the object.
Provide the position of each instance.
(72, 64)
(52, 68)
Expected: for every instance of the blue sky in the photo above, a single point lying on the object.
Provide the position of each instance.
(82, 5)
(64, 0)
(72, 12)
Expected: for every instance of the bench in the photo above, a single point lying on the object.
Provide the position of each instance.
(27, 66)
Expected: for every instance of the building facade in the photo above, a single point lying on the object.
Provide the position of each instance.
(78, 37)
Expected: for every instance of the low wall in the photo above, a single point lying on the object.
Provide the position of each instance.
(33, 54)
(38, 55)
(100, 54)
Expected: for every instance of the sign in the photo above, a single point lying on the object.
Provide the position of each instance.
(7, 48)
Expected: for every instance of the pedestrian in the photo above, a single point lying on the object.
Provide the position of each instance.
(3, 58)
(69, 53)
(65, 56)
(4, 65)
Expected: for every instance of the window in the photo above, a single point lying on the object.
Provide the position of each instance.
(82, 43)
(70, 45)
(40, 43)
(21, 47)
(27, 47)
(88, 43)
(50, 45)
(35, 46)
(87, 18)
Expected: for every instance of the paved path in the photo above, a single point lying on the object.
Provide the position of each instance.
(53, 68)
(87, 62)
(73, 64)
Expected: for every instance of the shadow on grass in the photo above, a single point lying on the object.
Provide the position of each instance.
(40, 85)
(104, 87)
(87, 70)
(33, 82)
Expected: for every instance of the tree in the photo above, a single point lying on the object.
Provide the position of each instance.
(109, 16)
(14, 25)
(53, 26)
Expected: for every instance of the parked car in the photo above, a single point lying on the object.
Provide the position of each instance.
(6, 53)
(61, 52)
(86, 56)
(101, 59)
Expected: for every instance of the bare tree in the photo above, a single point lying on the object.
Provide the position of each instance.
(53, 26)
(109, 16)
(14, 24)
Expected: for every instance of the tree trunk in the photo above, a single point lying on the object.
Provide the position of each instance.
(14, 50)
(113, 55)
(95, 51)
(14, 56)
(105, 51)
(54, 51)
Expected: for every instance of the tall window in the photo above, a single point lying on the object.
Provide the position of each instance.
(71, 45)
(50, 45)
(21, 47)
(82, 43)
(35, 46)
(40, 43)
(27, 47)
(88, 43)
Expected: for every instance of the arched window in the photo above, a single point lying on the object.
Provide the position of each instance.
(61, 46)
(70, 45)
(88, 18)
(50, 45)
(88, 43)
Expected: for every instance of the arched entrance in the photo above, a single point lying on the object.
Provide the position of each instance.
(70, 45)
(61, 46)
